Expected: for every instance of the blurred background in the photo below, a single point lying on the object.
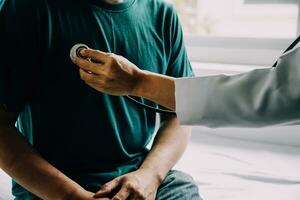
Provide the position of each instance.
(231, 37)
(239, 18)
(231, 31)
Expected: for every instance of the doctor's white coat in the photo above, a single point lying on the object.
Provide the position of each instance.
(262, 97)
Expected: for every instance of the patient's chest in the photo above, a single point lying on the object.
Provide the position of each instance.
(137, 38)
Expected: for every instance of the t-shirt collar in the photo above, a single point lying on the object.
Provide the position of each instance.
(113, 6)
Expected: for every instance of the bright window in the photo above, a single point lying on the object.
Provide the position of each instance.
(252, 32)
(239, 18)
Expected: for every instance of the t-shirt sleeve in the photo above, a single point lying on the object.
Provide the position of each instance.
(18, 54)
(178, 64)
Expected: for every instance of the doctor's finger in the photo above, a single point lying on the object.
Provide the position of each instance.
(88, 66)
(89, 77)
(99, 89)
(96, 55)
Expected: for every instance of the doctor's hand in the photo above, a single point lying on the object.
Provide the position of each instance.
(115, 75)
(137, 185)
(108, 73)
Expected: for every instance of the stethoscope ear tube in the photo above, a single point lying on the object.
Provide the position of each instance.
(289, 48)
(75, 52)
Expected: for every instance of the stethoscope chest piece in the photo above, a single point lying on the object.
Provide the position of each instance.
(75, 50)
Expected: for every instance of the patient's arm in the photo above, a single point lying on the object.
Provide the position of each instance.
(28, 168)
(169, 145)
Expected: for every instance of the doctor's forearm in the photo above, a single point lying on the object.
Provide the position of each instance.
(157, 88)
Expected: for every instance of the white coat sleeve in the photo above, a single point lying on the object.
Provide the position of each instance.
(262, 97)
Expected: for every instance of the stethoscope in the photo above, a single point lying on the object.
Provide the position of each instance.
(289, 48)
(75, 52)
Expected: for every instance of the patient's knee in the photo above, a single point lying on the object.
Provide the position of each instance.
(178, 186)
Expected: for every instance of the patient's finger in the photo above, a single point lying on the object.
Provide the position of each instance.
(108, 188)
(102, 198)
(123, 194)
(96, 55)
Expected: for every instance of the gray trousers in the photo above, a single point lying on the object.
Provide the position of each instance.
(176, 186)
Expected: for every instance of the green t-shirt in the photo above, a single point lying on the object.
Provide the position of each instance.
(90, 136)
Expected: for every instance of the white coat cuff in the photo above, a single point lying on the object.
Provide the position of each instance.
(182, 99)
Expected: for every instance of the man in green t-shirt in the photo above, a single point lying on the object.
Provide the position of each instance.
(77, 140)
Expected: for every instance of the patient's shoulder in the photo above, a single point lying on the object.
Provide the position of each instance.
(161, 6)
